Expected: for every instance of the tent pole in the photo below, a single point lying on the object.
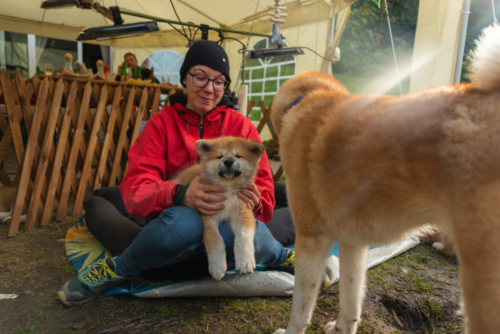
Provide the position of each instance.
(31, 55)
(461, 41)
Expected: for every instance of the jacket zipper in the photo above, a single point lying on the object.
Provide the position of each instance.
(201, 127)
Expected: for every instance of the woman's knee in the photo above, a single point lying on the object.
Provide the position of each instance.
(179, 225)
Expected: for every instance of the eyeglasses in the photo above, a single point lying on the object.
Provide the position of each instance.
(201, 81)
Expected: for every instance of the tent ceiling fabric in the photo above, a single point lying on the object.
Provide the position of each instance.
(227, 12)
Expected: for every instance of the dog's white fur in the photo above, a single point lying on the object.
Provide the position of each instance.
(485, 60)
(213, 154)
(374, 169)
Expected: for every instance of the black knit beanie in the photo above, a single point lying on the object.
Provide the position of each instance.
(206, 53)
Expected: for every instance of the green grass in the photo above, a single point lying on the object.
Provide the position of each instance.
(417, 283)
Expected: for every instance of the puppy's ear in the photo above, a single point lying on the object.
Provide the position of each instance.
(203, 146)
(256, 148)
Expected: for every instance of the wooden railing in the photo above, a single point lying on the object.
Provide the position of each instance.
(266, 120)
(78, 135)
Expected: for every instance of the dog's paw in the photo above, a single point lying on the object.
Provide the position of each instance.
(246, 266)
(438, 245)
(280, 331)
(217, 270)
(330, 327)
(7, 220)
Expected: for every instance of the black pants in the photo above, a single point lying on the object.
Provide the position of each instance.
(111, 224)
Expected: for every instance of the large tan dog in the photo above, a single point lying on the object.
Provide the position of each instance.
(374, 169)
(229, 163)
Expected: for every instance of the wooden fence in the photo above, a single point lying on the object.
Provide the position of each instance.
(77, 134)
(76, 138)
(266, 120)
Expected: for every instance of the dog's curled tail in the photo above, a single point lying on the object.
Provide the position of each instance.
(485, 60)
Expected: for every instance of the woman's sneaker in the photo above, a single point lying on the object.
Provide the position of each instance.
(89, 282)
(289, 265)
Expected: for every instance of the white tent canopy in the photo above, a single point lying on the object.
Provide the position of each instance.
(220, 13)
(308, 24)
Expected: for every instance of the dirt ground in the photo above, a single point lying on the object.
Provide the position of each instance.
(416, 292)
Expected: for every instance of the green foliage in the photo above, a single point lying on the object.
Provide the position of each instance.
(481, 16)
(366, 49)
(366, 46)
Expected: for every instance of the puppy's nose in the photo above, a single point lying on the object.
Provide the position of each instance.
(228, 162)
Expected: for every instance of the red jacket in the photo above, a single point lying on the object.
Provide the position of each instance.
(166, 145)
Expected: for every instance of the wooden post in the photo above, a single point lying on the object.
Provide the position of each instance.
(75, 148)
(122, 139)
(28, 158)
(250, 105)
(266, 112)
(61, 146)
(138, 122)
(82, 187)
(48, 142)
(156, 102)
(109, 137)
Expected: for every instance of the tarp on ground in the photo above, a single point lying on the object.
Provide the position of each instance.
(82, 248)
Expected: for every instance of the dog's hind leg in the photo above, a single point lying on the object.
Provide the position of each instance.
(310, 255)
(477, 240)
(352, 265)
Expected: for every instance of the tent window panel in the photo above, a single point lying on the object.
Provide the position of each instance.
(271, 86)
(265, 76)
(288, 69)
(257, 73)
(166, 64)
(252, 62)
(268, 99)
(52, 51)
(272, 71)
(14, 53)
(261, 44)
(282, 81)
(256, 87)
(255, 115)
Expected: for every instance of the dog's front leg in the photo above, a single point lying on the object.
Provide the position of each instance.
(215, 247)
(310, 256)
(352, 262)
(243, 226)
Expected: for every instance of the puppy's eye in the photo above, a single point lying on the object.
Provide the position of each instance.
(238, 156)
(220, 157)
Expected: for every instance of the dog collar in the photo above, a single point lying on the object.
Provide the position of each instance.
(296, 102)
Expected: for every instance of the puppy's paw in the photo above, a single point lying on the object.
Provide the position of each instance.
(330, 327)
(438, 245)
(218, 269)
(280, 331)
(246, 266)
(7, 220)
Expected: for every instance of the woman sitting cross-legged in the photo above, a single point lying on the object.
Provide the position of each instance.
(174, 234)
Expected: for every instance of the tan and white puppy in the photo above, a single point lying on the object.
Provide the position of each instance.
(229, 163)
(372, 169)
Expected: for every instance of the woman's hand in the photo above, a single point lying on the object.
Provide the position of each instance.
(250, 195)
(197, 197)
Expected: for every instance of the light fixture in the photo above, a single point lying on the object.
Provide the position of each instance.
(53, 4)
(118, 30)
(276, 53)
